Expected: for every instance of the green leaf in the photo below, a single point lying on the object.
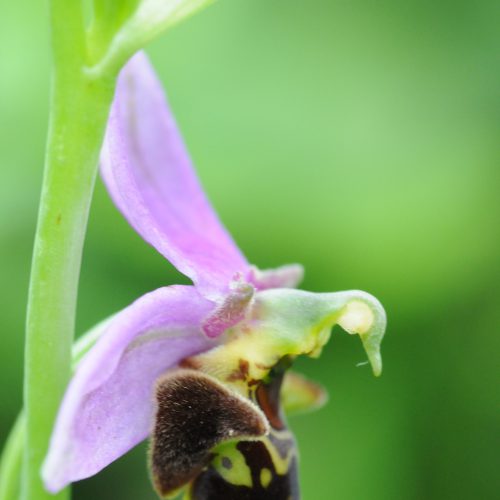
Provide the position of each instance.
(121, 28)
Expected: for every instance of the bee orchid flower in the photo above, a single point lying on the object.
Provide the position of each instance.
(201, 367)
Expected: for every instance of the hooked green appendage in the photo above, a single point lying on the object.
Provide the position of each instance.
(220, 426)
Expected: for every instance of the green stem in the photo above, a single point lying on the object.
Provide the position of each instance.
(79, 108)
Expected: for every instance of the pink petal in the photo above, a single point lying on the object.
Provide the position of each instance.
(231, 310)
(108, 406)
(287, 276)
(149, 175)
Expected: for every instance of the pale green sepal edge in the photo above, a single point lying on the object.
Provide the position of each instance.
(298, 322)
(365, 316)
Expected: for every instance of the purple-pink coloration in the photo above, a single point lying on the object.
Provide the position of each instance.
(149, 175)
(288, 276)
(231, 311)
(108, 406)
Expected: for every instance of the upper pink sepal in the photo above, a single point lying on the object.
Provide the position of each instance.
(149, 176)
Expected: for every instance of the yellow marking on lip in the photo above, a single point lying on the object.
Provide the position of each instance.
(265, 477)
(282, 465)
(239, 473)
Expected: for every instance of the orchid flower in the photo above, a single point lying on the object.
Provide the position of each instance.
(201, 367)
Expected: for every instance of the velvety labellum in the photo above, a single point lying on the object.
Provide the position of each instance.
(221, 445)
(195, 413)
(268, 470)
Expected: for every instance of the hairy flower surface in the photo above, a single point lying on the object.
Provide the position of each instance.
(214, 349)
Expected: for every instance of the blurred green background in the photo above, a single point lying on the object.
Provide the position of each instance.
(359, 138)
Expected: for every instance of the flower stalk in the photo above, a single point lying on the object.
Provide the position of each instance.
(79, 108)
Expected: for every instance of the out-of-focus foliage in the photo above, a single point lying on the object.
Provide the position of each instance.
(358, 138)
